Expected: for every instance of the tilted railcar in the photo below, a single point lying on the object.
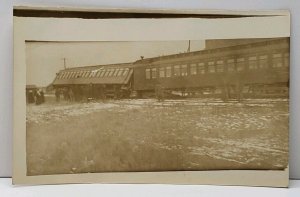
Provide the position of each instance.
(257, 69)
(99, 81)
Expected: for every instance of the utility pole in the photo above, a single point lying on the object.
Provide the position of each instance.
(65, 66)
(189, 47)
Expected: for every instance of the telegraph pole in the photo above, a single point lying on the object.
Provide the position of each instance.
(65, 66)
(189, 47)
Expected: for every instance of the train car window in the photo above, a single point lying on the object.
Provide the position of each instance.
(111, 72)
(263, 61)
(277, 60)
(72, 74)
(201, 68)
(107, 72)
(95, 73)
(98, 73)
(102, 73)
(177, 70)
(77, 74)
(92, 74)
(184, 71)
(65, 75)
(120, 72)
(125, 72)
(211, 67)
(230, 65)
(162, 72)
(252, 63)
(286, 60)
(153, 73)
(81, 73)
(116, 72)
(147, 72)
(168, 71)
(220, 66)
(240, 64)
(193, 69)
(87, 74)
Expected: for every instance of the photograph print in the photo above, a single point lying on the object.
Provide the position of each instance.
(154, 106)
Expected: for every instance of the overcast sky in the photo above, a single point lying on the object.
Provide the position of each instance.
(45, 59)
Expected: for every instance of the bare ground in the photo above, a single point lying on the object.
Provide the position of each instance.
(146, 135)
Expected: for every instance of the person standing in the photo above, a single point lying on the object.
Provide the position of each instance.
(42, 96)
(57, 94)
(71, 95)
(38, 99)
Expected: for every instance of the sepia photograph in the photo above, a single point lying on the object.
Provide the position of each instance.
(119, 96)
(153, 106)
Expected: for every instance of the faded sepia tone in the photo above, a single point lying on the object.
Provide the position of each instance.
(161, 106)
(255, 25)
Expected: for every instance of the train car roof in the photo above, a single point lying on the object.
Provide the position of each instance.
(121, 74)
(93, 67)
(188, 55)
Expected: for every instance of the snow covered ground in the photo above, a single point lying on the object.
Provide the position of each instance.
(182, 134)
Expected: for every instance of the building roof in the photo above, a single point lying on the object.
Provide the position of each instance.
(100, 74)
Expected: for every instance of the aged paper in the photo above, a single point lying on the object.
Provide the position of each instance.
(233, 166)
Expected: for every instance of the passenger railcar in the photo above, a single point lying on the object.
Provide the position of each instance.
(252, 69)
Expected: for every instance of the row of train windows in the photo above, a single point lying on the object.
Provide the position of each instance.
(98, 73)
(278, 60)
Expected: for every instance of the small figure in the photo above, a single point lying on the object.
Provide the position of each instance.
(38, 98)
(42, 96)
(57, 94)
(30, 96)
(71, 95)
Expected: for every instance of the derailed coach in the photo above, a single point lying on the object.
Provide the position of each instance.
(95, 82)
